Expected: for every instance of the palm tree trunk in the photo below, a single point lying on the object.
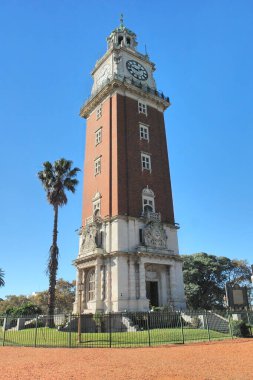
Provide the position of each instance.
(52, 270)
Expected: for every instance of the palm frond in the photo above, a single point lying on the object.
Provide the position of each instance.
(2, 282)
(56, 178)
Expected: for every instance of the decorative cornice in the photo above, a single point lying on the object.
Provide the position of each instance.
(116, 82)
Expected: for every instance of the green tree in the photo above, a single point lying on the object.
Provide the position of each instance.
(12, 301)
(64, 297)
(1, 277)
(56, 178)
(26, 309)
(205, 277)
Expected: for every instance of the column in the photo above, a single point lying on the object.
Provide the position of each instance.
(163, 275)
(173, 284)
(137, 279)
(78, 281)
(142, 280)
(97, 282)
(103, 282)
(131, 279)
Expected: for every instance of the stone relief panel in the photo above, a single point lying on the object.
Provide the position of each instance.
(89, 236)
(155, 235)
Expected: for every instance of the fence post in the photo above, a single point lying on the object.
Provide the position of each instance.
(230, 327)
(70, 330)
(36, 330)
(149, 343)
(5, 324)
(110, 330)
(207, 326)
(182, 326)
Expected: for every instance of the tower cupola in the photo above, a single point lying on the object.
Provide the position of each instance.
(122, 36)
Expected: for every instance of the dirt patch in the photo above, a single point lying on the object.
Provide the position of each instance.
(231, 360)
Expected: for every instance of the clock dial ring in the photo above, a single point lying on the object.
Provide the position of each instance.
(137, 70)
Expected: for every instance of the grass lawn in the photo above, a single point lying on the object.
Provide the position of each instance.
(46, 337)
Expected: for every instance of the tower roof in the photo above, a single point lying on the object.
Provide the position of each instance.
(122, 36)
(123, 28)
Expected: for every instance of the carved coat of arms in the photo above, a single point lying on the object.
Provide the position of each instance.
(89, 235)
(155, 235)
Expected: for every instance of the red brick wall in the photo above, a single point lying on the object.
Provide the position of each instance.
(121, 180)
(132, 179)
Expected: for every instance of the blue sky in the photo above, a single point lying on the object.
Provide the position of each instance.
(203, 54)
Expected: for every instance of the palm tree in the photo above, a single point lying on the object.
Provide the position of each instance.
(1, 277)
(56, 178)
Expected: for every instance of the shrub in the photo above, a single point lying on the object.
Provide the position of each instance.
(241, 329)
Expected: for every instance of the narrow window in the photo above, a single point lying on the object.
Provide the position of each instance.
(141, 235)
(148, 200)
(98, 136)
(96, 208)
(145, 162)
(99, 239)
(120, 39)
(98, 166)
(99, 111)
(148, 205)
(144, 132)
(142, 107)
(91, 284)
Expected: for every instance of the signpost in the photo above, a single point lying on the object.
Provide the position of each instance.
(237, 297)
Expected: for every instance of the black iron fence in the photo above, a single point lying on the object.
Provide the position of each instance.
(123, 329)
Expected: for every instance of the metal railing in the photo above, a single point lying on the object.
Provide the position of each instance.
(126, 329)
(131, 81)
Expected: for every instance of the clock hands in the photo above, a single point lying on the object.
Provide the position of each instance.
(137, 70)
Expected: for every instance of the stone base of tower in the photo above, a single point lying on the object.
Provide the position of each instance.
(139, 283)
(136, 278)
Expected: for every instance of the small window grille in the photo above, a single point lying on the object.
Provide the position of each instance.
(98, 136)
(99, 111)
(98, 166)
(144, 132)
(145, 162)
(142, 108)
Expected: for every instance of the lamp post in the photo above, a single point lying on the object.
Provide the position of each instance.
(80, 290)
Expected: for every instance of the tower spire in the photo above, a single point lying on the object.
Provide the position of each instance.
(121, 21)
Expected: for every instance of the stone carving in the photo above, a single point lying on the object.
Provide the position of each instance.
(89, 235)
(117, 59)
(148, 192)
(155, 235)
(89, 238)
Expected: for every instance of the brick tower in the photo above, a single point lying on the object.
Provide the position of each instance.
(128, 253)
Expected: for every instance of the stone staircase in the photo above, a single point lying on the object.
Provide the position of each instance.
(215, 321)
(128, 323)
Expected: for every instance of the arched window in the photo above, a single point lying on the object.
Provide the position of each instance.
(96, 200)
(120, 39)
(148, 200)
(91, 285)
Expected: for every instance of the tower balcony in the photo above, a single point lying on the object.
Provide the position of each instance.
(151, 216)
(130, 83)
(93, 219)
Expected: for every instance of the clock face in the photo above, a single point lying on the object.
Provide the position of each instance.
(104, 72)
(137, 70)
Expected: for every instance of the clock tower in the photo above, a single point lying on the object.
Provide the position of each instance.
(128, 252)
